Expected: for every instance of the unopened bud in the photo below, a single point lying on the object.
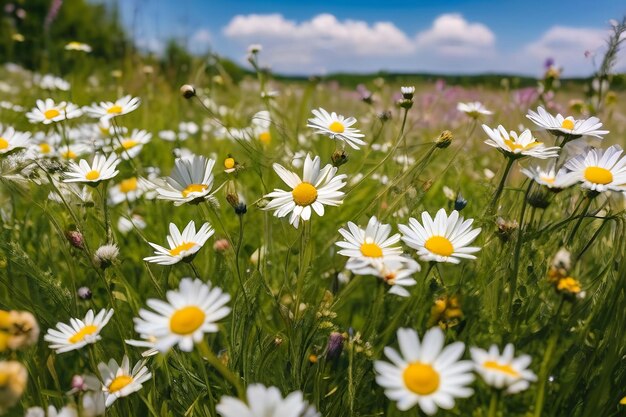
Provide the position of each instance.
(105, 255)
(459, 202)
(384, 116)
(444, 140)
(405, 103)
(75, 238)
(335, 345)
(506, 228)
(407, 92)
(221, 245)
(84, 293)
(339, 158)
(188, 91)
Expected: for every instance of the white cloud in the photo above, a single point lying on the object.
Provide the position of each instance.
(200, 41)
(451, 35)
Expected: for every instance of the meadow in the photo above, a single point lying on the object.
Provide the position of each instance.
(414, 260)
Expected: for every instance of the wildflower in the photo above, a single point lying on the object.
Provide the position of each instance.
(130, 146)
(79, 332)
(364, 247)
(18, 330)
(394, 272)
(339, 157)
(336, 127)
(190, 182)
(192, 311)
(51, 412)
(566, 126)
(106, 255)
(75, 238)
(129, 189)
(183, 247)
(473, 109)
(444, 140)
(221, 245)
(11, 140)
(126, 224)
(570, 287)
(317, 188)
(513, 145)
(266, 402)
(555, 181)
(13, 379)
(444, 239)
(503, 371)
(107, 110)
(188, 91)
(78, 46)
(47, 112)
(335, 345)
(599, 170)
(84, 293)
(407, 92)
(506, 228)
(446, 312)
(230, 165)
(101, 169)
(425, 373)
(120, 381)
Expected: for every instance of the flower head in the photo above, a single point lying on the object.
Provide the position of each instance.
(599, 170)
(101, 169)
(524, 144)
(266, 402)
(336, 127)
(120, 380)
(183, 246)
(474, 109)
(191, 181)
(503, 371)
(78, 333)
(567, 126)
(108, 110)
(48, 111)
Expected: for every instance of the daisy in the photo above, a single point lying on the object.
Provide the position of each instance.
(126, 224)
(566, 126)
(363, 247)
(443, 239)
(120, 381)
(598, 170)
(129, 190)
(183, 247)
(102, 168)
(266, 402)
(336, 127)
(514, 145)
(51, 412)
(47, 112)
(149, 343)
(130, 146)
(78, 333)
(474, 109)
(11, 140)
(317, 188)
(78, 46)
(395, 273)
(189, 313)
(108, 110)
(190, 182)
(550, 178)
(503, 371)
(425, 373)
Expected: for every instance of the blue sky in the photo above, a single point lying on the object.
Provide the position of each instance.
(453, 36)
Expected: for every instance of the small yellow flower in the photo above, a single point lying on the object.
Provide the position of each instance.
(446, 312)
(569, 285)
(13, 379)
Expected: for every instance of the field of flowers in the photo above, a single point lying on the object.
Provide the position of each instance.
(291, 249)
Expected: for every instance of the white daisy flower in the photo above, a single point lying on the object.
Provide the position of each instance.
(78, 46)
(190, 182)
(566, 126)
(79, 332)
(548, 177)
(75, 150)
(189, 313)
(395, 273)
(128, 190)
(130, 146)
(317, 188)
(167, 135)
(183, 247)
(370, 245)
(120, 381)
(336, 127)
(425, 373)
(443, 239)
(47, 112)
(108, 110)
(503, 371)
(149, 343)
(524, 144)
(125, 225)
(266, 402)
(51, 412)
(474, 109)
(10, 140)
(102, 168)
(598, 170)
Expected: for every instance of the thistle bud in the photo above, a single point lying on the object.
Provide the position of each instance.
(444, 140)
(221, 245)
(506, 228)
(335, 345)
(384, 116)
(188, 91)
(75, 238)
(339, 158)
(106, 255)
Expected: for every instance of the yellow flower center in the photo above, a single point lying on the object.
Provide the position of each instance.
(5, 379)
(371, 250)
(182, 247)
(114, 109)
(128, 185)
(44, 148)
(516, 146)
(390, 277)
(129, 143)
(547, 179)
(51, 114)
(421, 378)
(439, 245)
(505, 369)
(265, 137)
(194, 188)
(229, 163)
(598, 175)
(568, 124)
(569, 284)
(119, 383)
(93, 175)
(304, 194)
(187, 320)
(69, 155)
(4, 144)
(336, 127)
(82, 333)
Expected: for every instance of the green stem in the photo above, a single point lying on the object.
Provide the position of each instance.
(305, 261)
(237, 252)
(210, 357)
(496, 196)
(580, 220)
(518, 249)
(493, 403)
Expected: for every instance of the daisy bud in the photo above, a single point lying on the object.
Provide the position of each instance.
(188, 91)
(75, 238)
(241, 209)
(384, 116)
(407, 92)
(335, 345)
(84, 293)
(339, 158)
(538, 199)
(444, 140)
(78, 383)
(460, 202)
(255, 48)
(506, 228)
(221, 245)
(262, 203)
(105, 255)
(405, 104)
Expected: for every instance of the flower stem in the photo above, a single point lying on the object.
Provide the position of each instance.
(210, 357)
(518, 249)
(493, 403)
(580, 220)
(496, 196)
